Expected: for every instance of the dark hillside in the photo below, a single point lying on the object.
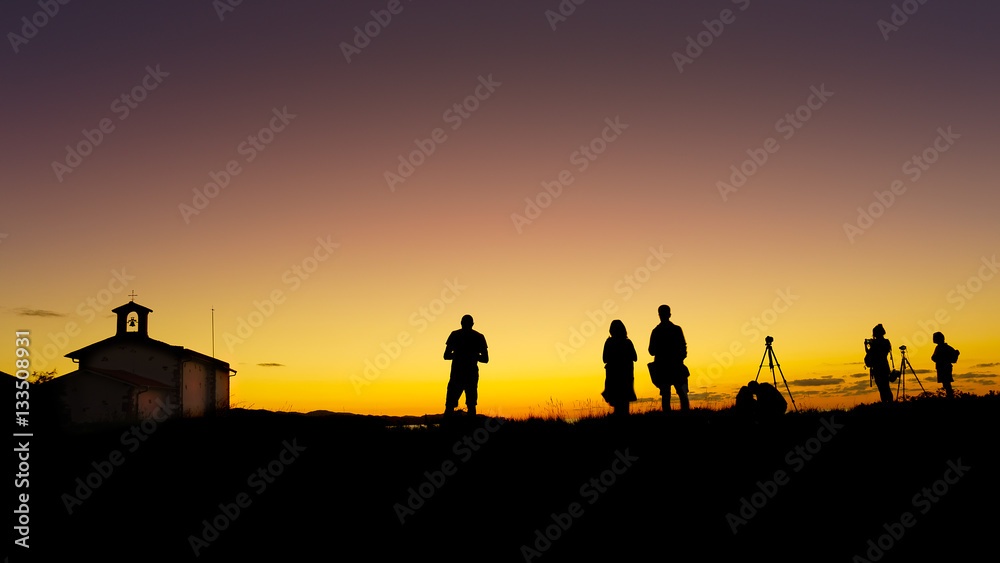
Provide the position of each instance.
(818, 487)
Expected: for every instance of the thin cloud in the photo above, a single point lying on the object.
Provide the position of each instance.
(709, 396)
(271, 365)
(816, 382)
(981, 381)
(968, 375)
(989, 365)
(37, 313)
(857, 388)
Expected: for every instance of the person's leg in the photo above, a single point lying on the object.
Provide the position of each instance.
(884, 389)
(682, 394)
(947, 389)
(621, 409)
(665, 398)
(451, 398)
(472, 394)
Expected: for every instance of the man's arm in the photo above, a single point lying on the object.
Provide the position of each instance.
(683, 345)
(484, 355)
(449, 349)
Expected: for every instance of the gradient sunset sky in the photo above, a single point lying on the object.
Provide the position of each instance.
(877, 201)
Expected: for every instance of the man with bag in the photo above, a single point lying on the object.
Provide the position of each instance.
(668, 348)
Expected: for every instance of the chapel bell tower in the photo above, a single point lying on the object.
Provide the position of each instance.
(133, 320)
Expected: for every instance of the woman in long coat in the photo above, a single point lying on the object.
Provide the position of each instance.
(619, 367)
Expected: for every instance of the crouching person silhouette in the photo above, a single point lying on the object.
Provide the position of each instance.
(465, 348)
(770, 403)
(944, 355)
(746, 405)
(619, 367)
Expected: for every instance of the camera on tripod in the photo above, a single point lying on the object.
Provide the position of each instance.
(772, 362)
(894, 374)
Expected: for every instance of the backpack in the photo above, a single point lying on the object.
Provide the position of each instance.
(949, 354)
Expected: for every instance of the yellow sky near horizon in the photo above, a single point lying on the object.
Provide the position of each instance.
(681, 186)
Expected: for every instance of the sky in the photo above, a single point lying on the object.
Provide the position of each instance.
(318, 192)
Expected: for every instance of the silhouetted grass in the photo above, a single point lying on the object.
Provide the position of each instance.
(337, 499)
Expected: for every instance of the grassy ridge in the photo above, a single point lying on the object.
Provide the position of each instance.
(669, 482)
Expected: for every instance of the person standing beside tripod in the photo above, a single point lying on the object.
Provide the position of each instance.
(944, 355)
(877, 350)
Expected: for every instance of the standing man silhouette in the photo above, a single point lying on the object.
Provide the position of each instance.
(668, 348)
(465, 348)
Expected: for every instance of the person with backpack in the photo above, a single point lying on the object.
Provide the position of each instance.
(877, 350)
(944, 355)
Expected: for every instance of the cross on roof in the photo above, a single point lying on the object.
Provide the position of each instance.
(132, 295)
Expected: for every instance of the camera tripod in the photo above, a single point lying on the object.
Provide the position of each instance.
(772, 361)
(901, 384)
